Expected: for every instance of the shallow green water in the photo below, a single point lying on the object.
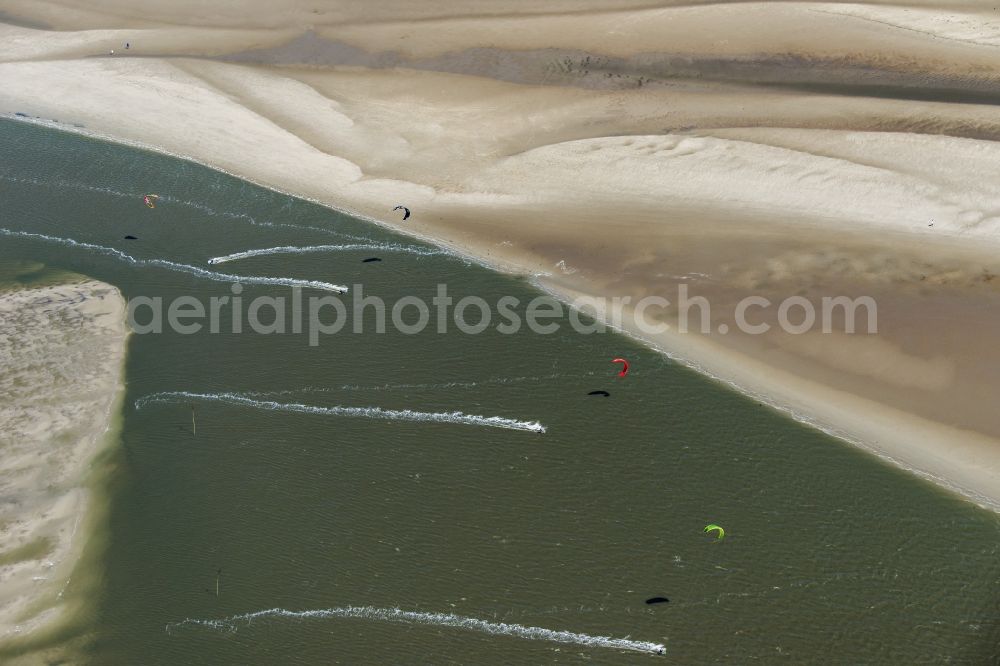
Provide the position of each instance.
(15, 275)
(830, 557)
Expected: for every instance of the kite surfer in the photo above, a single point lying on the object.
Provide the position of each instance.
(721, 533)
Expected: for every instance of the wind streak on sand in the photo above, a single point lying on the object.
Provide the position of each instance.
(181, 268)
(438, 619)
(290, 249)
(365, 412)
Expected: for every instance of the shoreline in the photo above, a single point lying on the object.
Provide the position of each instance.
(972, 487)
(623, 188)
(55, 440)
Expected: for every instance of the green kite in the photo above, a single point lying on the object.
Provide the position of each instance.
(714, 527)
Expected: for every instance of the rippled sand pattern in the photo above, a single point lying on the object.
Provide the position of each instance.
(61, 350)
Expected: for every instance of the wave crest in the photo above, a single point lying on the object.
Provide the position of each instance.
(363, 412)
(436, 619)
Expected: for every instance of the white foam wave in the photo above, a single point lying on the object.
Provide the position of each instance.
(433, 386)
(181, 268)
(167, 199)
(435, 619)
(251, 220)
(289, 249)
(364, 412)
(70, 185)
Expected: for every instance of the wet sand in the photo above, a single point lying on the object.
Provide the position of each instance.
(832, 150)
(62, 350)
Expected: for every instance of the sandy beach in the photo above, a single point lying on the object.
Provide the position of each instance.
(62, 350)
(830, 149)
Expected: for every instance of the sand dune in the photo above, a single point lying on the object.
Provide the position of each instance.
(62, 350)
(757, 148)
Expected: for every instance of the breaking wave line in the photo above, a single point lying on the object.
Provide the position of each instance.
(364, 412)
(166, 198)
(290, 249)
(436, 619)
(406, 387)
(70, 185)
(181, 268)
(251, 220)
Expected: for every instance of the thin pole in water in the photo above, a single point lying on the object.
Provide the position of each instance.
(194, 426)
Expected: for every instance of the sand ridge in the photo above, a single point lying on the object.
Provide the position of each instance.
(61, 352)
